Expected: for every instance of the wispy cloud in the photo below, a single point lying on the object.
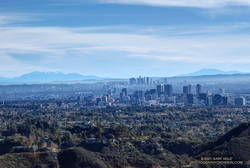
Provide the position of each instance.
(181, 3)
(14, 18)
(25, 49)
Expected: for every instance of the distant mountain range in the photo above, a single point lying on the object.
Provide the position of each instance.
(44, 77)
(204, 72)
(48, 77)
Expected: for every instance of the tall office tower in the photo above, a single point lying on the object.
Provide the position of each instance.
(153, 93)
(198, 89)
(124, 92)
(138, 95)
(185, 90)
(240, 101)
(140, 80)
(203, 97)
(168, 90)
(104, 99)
(219, 100)
(98, 100)
(132, 81)
(189, 89)
(124, 95)
(190, 99)
(148, 80)
(159, 89)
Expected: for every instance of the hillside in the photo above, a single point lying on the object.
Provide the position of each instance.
(79, 157)
(28, 160)
(233, 144)
(236, 143)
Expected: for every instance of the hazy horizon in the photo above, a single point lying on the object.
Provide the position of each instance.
(34, 75)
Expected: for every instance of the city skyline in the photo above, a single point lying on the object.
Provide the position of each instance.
(124, 83)
(123, 38)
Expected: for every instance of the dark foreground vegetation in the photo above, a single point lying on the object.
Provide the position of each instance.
(61, 135)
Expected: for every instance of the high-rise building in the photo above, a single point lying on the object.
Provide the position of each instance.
(151, 81)
(138, 95)
(198, 89)
(148, 81)
(190, 99)
(132, 81)
(219, 100)
(189, 89)
(168, 90)
(203, 98)
(104, 99)
(98, 100)
(185, 90)
(240, 101)
(140, 80)
(124, 92)
(153, 91)
(160, 89)
(124, 95)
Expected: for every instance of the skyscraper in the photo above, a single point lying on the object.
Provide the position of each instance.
(190, 99)
(219, 100)
(148, 80)
(124, 92)
(168, 90)
(198, 89)
(189, 89)
(240, 101)
(159, 89)
(132, 81)
(185, 90)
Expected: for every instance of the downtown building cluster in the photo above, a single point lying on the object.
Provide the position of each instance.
(164, 94)
(145, 91)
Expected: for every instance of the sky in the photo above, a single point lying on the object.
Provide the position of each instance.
(123, 38)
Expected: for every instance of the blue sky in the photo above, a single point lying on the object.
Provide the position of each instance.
(124, 38)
